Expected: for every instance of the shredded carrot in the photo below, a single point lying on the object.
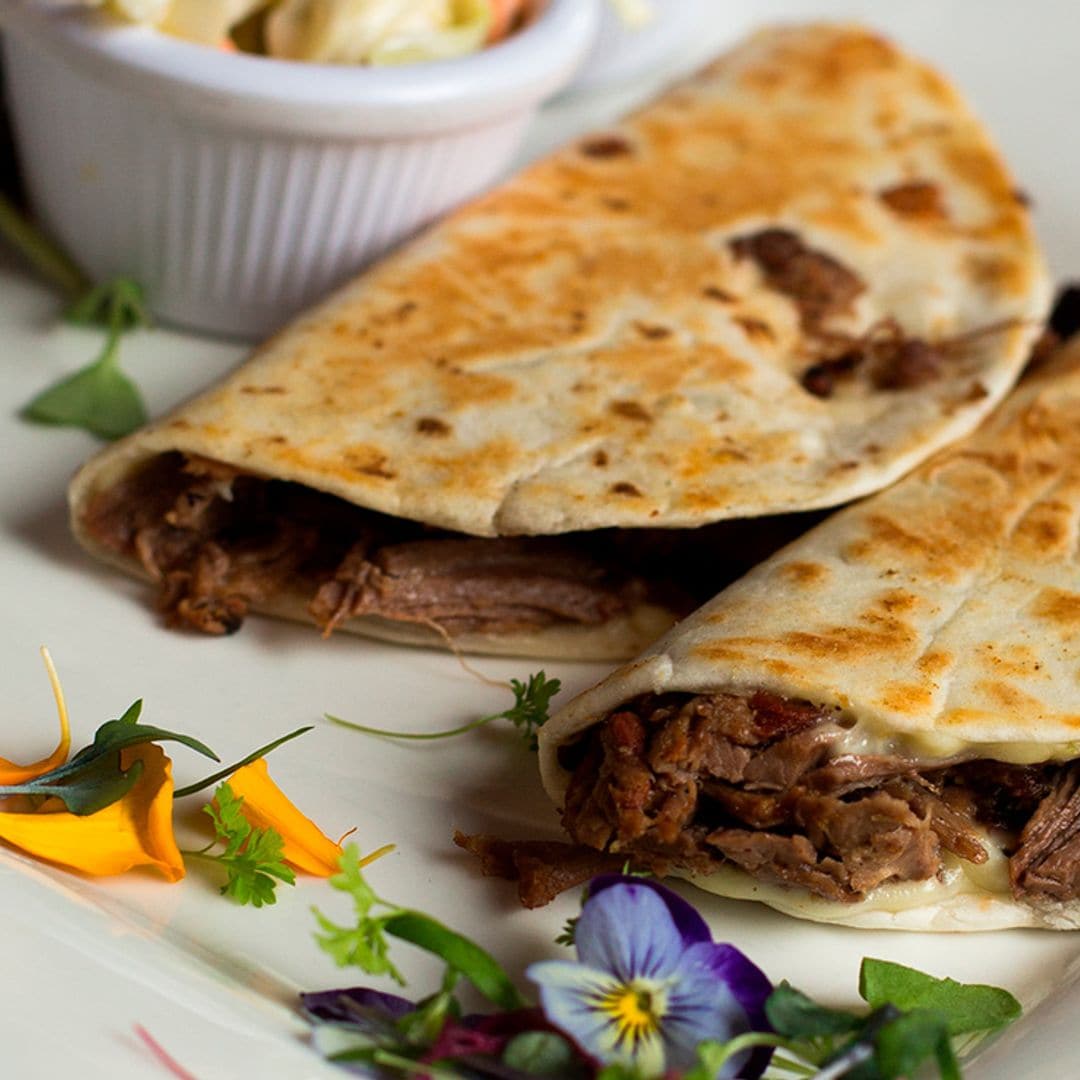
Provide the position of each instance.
(506, 16)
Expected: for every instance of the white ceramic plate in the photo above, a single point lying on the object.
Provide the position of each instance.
(85, 962)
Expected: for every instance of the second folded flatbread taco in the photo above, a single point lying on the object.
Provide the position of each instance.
(879, 726)
(777, 288)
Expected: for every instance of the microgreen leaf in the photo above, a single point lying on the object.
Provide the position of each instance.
(127, 731)
(460, 954)
(793, 1014)
(99, 397)
(421, 1027)
(528, 714)
(966, 1007)
(540, 1053)
(221, 774)
(909, 1040)
(252, 857)
(94, 778)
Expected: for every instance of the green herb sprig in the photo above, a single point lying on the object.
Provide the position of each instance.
(99, 398)
(252, 858)
(365, 944)
(530, 711)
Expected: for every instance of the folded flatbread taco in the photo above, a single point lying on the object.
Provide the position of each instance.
(777, 288)
(880, 725)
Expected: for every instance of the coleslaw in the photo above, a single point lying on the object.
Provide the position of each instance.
(379, 32)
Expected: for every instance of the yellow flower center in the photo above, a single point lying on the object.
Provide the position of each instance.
(636, 1011)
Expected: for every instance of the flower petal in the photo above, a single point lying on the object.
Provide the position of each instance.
(135, 831)
(628, 930)
(10, 773)
(570, 995)
(704, 1004)
(335, 1004)
(689, 923)
(307, 848)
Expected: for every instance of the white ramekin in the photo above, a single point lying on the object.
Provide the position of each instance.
(625, 54)
(238, 189)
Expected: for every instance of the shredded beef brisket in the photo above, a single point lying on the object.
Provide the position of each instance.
(702, 781)
(1047, 863)
(217, 541)
(819, 284)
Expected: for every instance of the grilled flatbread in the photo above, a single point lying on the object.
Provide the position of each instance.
(880, 725)
(777, 288)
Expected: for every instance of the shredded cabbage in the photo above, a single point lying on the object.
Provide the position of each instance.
(205, 21)
(346, 31)
(376, 31)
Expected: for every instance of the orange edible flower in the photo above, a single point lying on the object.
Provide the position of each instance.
(10, 773)
(135, 831)
(307, 848)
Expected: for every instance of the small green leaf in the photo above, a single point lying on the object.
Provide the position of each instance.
(99, 398)
(540, 1053)
(421, 1027)
(462, 955)
(93, 778)
(568, 934)
(532, 702)
(127, 731)
(793, 1014)
(252, 857)
(904, 1044)
(966, 1007)
(618, 1071)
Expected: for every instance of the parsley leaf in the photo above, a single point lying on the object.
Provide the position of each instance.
(532, 702)
(252, 857)
(365, 945)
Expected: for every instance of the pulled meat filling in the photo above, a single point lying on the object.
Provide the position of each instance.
(700, 782)
(218, 541)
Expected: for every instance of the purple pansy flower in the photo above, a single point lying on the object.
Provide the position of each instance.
(650, 984)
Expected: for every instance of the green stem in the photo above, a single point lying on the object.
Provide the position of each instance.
(412, 1068)
(203, 853)
(199, 785)
(46, 257)
(751, 1040)
(419, 736)
(792, 1066)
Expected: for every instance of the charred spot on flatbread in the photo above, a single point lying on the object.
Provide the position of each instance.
(915, 199)
(606, 146)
